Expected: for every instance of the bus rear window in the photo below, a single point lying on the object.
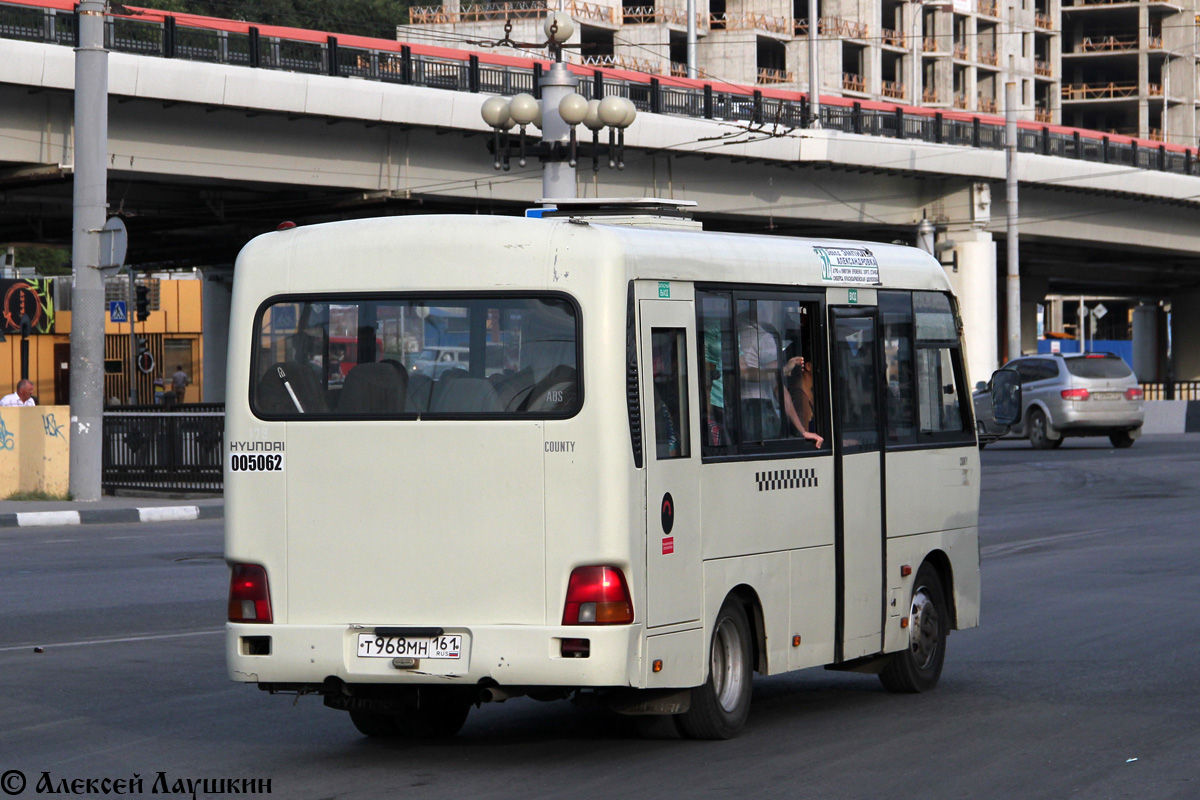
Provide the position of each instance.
(378, 357)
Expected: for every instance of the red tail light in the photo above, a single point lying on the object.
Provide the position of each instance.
(249, 597)
(1075, 394)
(1134, 394)
(597, 596)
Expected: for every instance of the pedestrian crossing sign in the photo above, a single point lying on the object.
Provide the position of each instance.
(116, 311)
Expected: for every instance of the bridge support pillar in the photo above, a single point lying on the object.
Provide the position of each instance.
(969, 257)
(214, 303)
(1185, 337)
(1145, 342)
(1033, 294)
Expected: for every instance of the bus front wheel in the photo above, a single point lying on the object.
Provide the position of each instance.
(918, 667)
(720, 707)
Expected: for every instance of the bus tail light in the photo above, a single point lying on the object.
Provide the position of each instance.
(1134, 394)
(249, 597)
(1075, 394)
(597, 596)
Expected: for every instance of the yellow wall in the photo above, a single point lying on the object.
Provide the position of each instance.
(35, 452)
(179, 316)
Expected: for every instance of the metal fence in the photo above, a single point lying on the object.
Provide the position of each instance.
(170, 38)
(1179, 390)
(164, 448)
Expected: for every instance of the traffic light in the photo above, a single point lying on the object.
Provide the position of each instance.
(143, 303)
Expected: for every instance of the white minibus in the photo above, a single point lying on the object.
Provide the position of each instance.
(661, 460)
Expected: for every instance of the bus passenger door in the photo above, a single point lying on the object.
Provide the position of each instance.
(860, 534)
(672, 458)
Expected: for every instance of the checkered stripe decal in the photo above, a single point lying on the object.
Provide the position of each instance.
(786, 479)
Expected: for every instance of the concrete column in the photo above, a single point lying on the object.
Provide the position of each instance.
(1056, 315)
(1185, 336)
(974, 282)
(216, 294)
(1033, 292)
(1145, 342)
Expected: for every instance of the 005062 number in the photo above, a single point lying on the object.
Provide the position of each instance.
(258, 463)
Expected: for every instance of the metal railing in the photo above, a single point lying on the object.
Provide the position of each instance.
(767, 76)
(240, 44)
(448, 15)
(1107, 44)
(1179, 390)
(164, 448)
(1106, 91)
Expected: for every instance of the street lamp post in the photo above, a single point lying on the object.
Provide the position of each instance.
(557, 114)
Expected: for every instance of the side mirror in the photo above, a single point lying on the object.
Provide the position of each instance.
(1006, 397)
(981, 386)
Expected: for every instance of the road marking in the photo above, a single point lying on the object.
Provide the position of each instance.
(115, 640)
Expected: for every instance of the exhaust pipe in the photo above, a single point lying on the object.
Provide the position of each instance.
(496, 694)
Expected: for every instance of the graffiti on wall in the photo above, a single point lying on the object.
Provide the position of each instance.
(31, 297)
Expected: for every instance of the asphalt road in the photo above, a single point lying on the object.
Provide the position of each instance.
(1081, 682)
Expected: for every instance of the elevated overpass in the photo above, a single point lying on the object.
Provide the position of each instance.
(304, 126)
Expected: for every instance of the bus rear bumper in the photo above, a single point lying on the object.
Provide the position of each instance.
(508, 655)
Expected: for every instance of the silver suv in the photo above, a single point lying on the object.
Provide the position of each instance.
(1093, 394)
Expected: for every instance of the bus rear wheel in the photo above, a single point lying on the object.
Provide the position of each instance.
(720, 707)
(918, 667)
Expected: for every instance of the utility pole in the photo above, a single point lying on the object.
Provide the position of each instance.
(1010, 203)
(814, 72)
(130, 315)
(87, 288)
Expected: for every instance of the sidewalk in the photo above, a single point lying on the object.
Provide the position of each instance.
(108, 510)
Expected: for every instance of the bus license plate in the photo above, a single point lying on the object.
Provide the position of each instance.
(372, 646)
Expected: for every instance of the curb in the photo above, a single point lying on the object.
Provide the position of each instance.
(29, 519)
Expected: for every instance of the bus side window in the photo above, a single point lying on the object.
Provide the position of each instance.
(718, 422)
(896, 318)
(939, 365)
(759, 389)
(671, 427)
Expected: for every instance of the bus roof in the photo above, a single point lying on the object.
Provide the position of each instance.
(491, 252)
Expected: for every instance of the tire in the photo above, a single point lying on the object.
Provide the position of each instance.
(377, 726)
(436, 715)
(1057, 443)
(720, 707)
(1121, 439)
(918, 667)
(1039, 437)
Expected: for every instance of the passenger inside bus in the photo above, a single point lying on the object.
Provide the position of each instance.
(758, 358)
